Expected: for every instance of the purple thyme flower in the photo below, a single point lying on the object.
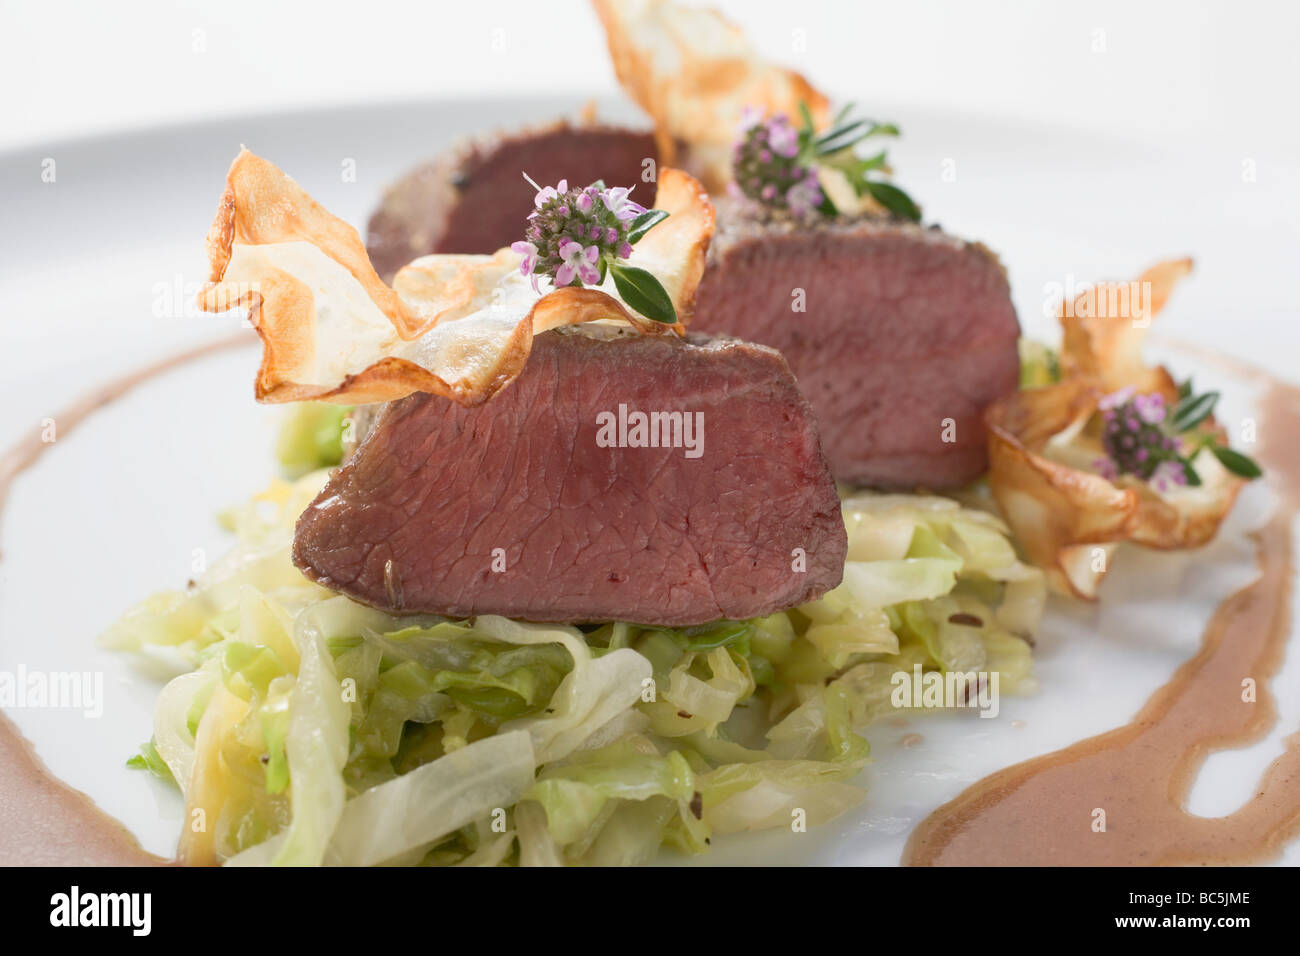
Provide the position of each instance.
(767, 166)
(1135, 441)
(576, 259)
(574, 235)
(782, 137)
(545, 195)
(1150, 408)
(1115, 399)
(529, 261)
(1167, 475)
(617, 200)
(1106, 468)
(750, 116)
(804, 196)
(774, 153)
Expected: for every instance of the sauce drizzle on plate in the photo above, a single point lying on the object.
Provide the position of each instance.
(43, 821)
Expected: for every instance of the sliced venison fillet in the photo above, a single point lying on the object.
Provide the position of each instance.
(475, 199)
(518, 507)
(907, 334)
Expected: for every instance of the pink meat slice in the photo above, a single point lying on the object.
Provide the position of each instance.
(513, 507)
(907, 334)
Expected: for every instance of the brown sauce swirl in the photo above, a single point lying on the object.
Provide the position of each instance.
(43, 821)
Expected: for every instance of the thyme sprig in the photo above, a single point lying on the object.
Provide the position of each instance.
(1144, 437)
(577, 237)
(776, 163)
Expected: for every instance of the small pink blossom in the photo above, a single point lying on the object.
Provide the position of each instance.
(529, 261)
(618, 200)
(1168, 474)
(547, 193)
(750, 117)
(576, 259)
(1150, 408)
(804, 196)
(1116, 399)
(783, 138)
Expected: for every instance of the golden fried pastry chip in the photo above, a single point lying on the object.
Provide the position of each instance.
(459, 326)
(695, 73)
(1044, 446)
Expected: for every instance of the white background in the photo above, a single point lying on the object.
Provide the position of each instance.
(1221, 70)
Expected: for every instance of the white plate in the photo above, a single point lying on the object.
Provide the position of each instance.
(97, 273)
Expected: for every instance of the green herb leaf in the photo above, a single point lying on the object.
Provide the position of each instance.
(855, 169)
(1236, 462)
(1192, 410)
(1185, 389)
(644, 223)
(1193, 479)
(841, 132)
(643, 292)
(850, 135)
(861, 167)
(806, 115)
(895, 200)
